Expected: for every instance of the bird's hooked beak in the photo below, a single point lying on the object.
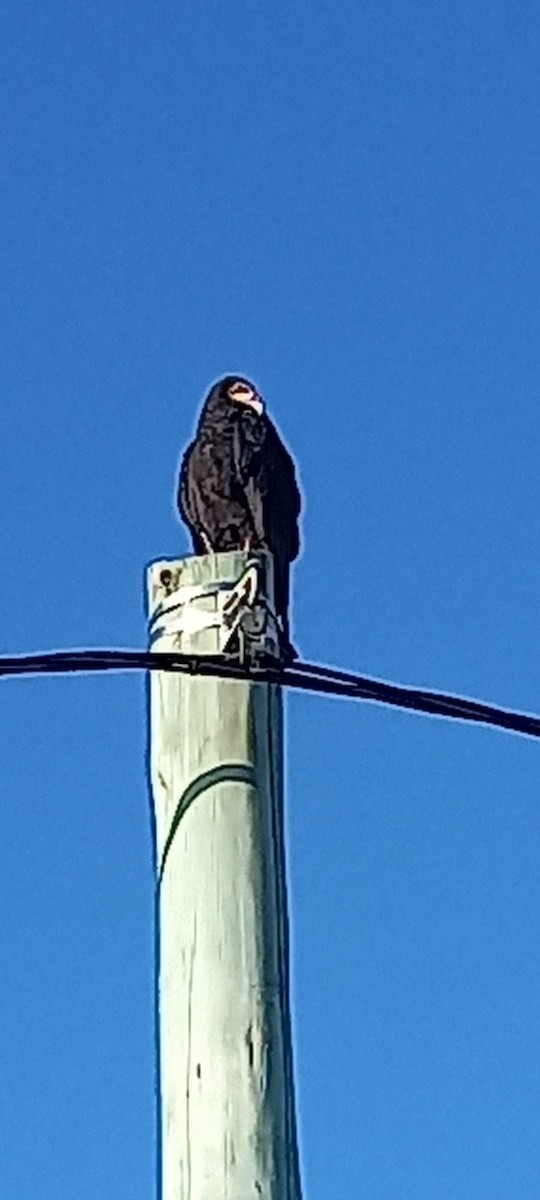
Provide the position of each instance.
(244, 393)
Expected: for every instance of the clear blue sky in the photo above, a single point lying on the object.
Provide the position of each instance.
(341, 200)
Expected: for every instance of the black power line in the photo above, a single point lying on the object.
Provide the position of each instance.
(310, 677)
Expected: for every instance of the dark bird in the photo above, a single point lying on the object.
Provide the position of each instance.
(237, 488)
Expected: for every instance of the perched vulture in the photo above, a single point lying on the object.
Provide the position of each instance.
(237, 488)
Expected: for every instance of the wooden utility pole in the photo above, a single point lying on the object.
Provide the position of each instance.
(216, 757)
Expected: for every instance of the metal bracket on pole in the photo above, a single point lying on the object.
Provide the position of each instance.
(240, 612)
(246, 611)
